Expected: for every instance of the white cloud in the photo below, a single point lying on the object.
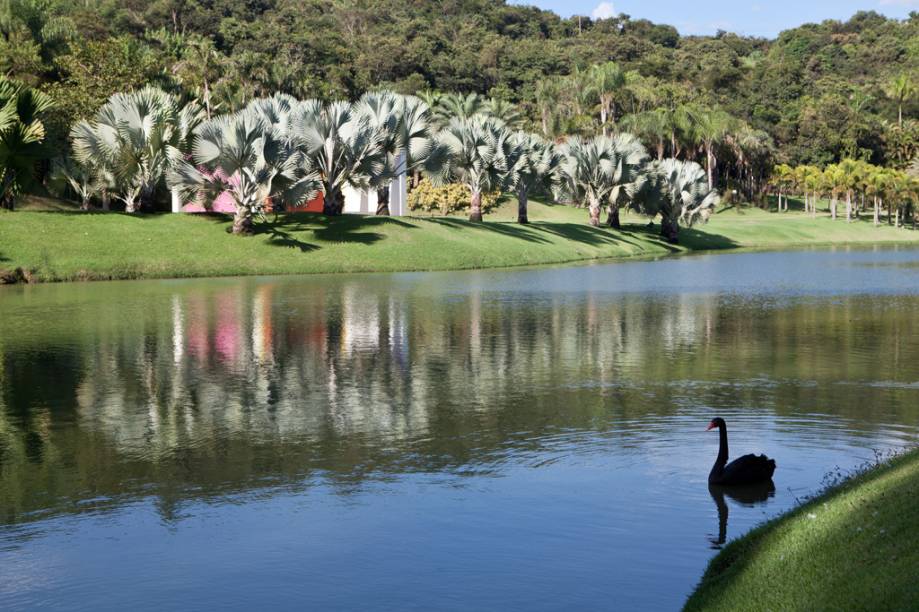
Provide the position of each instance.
(604, 10)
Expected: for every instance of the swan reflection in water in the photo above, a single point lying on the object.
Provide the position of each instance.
(746, 495)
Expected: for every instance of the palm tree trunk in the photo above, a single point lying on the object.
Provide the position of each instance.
(848, 206)
(710, 157)
(334, 203)
(475, 208)
(877, 212)
(383, 201)
(84, 204)
(106, 200)
(7, 197)
(670, 230)
(833, 207)
(242, 222)
(522, 202)
(613, 217)
(594, 212)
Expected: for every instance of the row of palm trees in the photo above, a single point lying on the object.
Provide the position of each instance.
(856, 183)
(283, 151)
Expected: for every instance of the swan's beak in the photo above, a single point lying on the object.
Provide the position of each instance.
(711, 426)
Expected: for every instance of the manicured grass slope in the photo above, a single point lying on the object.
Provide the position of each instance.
(855, 548)
(71, 245)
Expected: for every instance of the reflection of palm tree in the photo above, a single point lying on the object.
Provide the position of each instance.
(747, 495)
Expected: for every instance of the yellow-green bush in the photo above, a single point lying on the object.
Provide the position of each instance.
(451, 198)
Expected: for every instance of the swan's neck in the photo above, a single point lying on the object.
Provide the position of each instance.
(722, 448)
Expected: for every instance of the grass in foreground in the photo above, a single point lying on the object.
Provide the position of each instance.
(60, 246)
(854, 548)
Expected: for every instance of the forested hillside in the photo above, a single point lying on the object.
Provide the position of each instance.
(815, 95)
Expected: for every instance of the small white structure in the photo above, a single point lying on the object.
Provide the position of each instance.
(365, 202)
(358, 202)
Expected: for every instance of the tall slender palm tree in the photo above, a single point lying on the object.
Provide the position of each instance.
(537, 167)
(712, 126)
(548, 98)
(480, 155)
(653, 126)
(604, 82)
(22, 133)
(244, 154)
(900, 90)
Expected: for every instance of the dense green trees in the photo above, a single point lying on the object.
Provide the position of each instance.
(821, 91)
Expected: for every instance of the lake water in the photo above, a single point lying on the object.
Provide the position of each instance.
(506, 440)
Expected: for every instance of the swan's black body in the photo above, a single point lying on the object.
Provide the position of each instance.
(748, 469)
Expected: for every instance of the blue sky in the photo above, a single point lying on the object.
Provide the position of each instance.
(751, 17)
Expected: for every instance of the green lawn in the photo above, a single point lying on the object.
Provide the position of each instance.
(70, 245)
(855, 548)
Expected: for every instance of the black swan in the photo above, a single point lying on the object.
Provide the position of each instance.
(745, 470)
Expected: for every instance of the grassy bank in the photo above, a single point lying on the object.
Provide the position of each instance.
(854, 548)
(61, 245)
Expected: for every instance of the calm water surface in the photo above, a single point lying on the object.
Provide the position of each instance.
(527, 439)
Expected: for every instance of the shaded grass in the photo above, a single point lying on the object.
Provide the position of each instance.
(854, 548)
(60, 246)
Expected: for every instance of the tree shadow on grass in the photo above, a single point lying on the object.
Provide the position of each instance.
(695, 240)
(279, 235)
(505, 229)
(589, 235)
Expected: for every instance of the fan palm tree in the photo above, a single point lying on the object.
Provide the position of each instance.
(243, 154)
(537, 167)
(131, 135)
(84, 181)
(597, 170)
(479, 154)
(679, 192)
(343, 146)
(632, 161)
(21, 137)
(276, 110)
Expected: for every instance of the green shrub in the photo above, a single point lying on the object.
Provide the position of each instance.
(451, 198)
